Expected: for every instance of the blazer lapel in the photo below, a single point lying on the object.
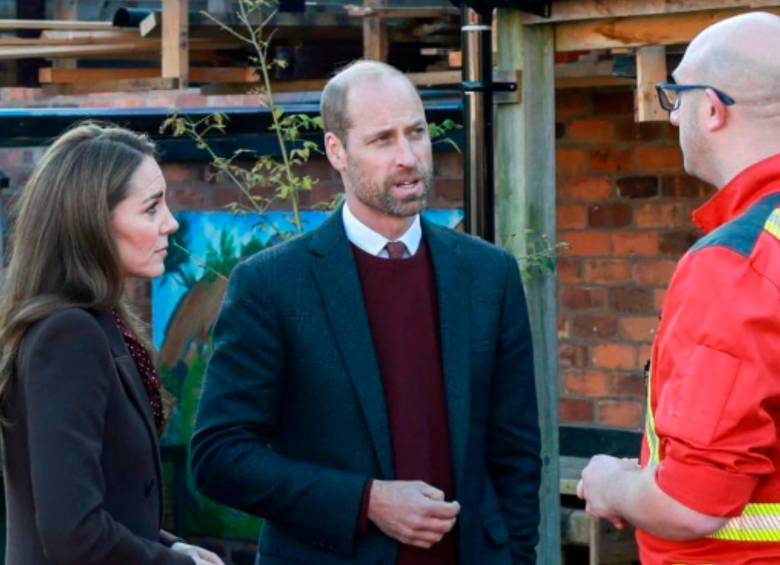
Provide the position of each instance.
(336, 275)
(131, 381)
(453, 287)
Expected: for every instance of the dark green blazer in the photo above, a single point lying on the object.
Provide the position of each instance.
(293, 420)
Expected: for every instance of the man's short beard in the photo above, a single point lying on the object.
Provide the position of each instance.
(400, 208)
(380, 198)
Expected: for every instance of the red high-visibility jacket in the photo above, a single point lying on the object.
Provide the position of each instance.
(714, 391)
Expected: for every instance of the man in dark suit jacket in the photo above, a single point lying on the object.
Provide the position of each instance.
(371, 391)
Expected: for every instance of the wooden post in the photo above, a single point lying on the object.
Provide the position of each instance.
(175, 41)
(65, 10)
(650, 70)
(375, 38)
(525, 182)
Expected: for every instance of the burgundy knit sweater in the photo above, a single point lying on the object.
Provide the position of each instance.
(402, 307)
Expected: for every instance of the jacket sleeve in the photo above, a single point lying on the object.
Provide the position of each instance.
(233, 461)
(513, 441)
(715, 415)
(67, 371)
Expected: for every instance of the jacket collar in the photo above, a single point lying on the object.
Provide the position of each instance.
(740, 194)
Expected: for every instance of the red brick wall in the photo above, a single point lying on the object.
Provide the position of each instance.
(624, 207)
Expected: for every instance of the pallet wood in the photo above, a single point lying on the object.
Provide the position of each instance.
(66, 10)
(375, 38)
(103, 50)
(55, 24)
(69, 38)
(651, 69)
(48, 75)
(406, 13)
(638, 31)
(576, 10)
(128, 85)
(175, 40)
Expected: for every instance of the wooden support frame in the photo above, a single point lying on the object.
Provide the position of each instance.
(525, 182)
(175, 40)
(650, 70)
(375, 37)
(577, 10)
(126, 48)
(637, 31)
(401, 13)
(66, 10)
(197, 74)
(55, 24)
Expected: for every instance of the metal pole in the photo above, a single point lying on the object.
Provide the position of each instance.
(478, 202)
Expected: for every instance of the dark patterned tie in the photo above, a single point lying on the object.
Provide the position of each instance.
(395, 249)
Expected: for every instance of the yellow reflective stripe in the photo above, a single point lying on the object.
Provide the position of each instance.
(772, 224)
(759, 522)
(650, 434)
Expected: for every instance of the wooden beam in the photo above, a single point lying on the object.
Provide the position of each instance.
(69, 39)
(55, 24)
(48, 75)
(406, 13)
(98, 50)
(637, 31)
(650, 70)
(525, 186)
(375, 39)
(66, 10)
(131, 85)
(577, 10)
(175, 40)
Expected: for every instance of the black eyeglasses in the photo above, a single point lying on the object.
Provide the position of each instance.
(669, 94)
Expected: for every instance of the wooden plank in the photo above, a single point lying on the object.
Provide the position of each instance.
(650, 70)
(131, 85)
(175, 40)
(98, 50)
(66, 10)
(197, 74)
(406, 13)
(375, 38)
(577, 10)
(437, 78)
(593, 82)
(67, 42)
(637, 31)
(525, 187)
(55, 24)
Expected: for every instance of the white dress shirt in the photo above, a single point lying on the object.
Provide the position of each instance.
(373, 243)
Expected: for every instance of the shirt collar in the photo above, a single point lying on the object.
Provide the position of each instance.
(374, 243)
(739, 195)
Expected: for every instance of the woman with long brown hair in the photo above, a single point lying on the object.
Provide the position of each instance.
(81, 401)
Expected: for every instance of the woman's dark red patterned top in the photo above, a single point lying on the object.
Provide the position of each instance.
(149, 375)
